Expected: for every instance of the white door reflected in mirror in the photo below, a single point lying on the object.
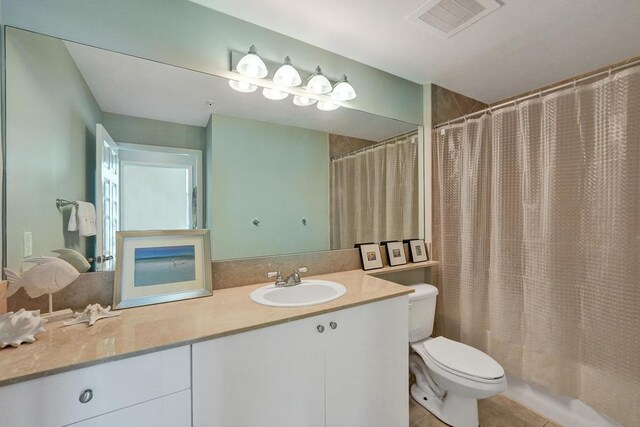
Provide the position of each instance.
(107, 198)
(138, 182)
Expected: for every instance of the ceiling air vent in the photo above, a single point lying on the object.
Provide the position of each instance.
(445, 18)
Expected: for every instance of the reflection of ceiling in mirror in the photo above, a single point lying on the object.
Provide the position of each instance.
(137, 87)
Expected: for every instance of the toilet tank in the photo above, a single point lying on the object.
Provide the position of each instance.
(422, 311)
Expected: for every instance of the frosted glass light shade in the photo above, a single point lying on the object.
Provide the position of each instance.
(303, 101)
(243, 87)
(274, 94)
(327, 106)
(343, 91)
(286, 75)
(318, 83)
(251, 65)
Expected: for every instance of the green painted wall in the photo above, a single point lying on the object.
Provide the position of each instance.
(136, 130)
(189, 35)
(276, 174)
(51, 121)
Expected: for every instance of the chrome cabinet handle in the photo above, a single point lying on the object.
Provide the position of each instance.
(86, 396)
(320, 328)
(333, 325)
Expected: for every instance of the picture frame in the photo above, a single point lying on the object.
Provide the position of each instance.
(418, 250)
(154, 267)
(395, 253)
(370, 255)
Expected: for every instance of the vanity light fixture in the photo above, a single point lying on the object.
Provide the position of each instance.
(327, 106)
(274, 94)
(318, 83)
(286, 75)
(317, 88)
(343, 91)
(303, 101)
(251, 65)
(243, 87)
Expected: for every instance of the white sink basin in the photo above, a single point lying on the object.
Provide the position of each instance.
(309, 292)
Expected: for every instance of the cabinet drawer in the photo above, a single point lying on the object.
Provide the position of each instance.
(55, 400)
(169, 411)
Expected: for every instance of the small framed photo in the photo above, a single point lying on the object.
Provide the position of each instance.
(153, 267)
(418, 251)
(395, 251)
(371, 258)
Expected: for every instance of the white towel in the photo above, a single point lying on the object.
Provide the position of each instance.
(83, 219)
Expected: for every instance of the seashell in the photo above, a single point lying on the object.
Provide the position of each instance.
(22, 326)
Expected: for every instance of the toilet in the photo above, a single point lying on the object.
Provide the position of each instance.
(450, 376)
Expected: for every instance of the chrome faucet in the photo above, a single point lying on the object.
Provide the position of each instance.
(292, 280)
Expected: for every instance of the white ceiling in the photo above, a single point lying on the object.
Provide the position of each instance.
(137, 87)
(524, 45)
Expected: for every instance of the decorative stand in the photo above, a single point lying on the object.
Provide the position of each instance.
(54, 316)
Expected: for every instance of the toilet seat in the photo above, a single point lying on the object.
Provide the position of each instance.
(460, 360)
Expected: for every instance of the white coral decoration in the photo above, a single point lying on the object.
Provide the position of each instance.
(91, 315)
(20, 327)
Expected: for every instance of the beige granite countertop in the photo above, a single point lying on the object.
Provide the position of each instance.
(145, 329)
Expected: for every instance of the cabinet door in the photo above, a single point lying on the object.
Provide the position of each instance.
(173, 410)
(272, 376)
(55, 400)
(367, 365)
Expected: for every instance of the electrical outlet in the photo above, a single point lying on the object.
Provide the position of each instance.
(27, 244)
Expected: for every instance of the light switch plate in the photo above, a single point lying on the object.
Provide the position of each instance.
(27, 244)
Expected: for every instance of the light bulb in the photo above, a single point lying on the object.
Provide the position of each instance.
(286, 75)
(318, 83)
(343, 91)
(243, 87)
(303, 101)
(274, 94)
(327, 106)
(251, 65)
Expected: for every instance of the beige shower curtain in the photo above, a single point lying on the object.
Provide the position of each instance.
(374, 194)
(538, 231)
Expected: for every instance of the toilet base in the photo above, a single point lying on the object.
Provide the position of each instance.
(454, 410)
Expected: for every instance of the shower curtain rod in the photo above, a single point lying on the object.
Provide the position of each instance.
(542, 92)
(391, 140)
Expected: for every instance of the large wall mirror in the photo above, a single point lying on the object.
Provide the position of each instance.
(154, 146)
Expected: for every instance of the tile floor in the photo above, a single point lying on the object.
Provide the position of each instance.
(497, 411)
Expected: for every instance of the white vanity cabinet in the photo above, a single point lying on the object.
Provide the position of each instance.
(125, 392)
(344, 368)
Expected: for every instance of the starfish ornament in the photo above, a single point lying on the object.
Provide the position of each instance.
(91, 315)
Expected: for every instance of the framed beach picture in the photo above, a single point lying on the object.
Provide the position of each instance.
(395, 252)
(153, 267)
(371, 258)
(418, 251)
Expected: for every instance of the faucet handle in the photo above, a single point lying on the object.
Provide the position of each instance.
(301, 269)
(279, 279)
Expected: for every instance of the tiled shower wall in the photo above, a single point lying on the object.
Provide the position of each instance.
(448, 105)
(341, 144)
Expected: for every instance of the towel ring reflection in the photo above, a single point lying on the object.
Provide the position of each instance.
(61, 203)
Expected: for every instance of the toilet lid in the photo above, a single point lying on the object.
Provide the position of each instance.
(462, 358)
